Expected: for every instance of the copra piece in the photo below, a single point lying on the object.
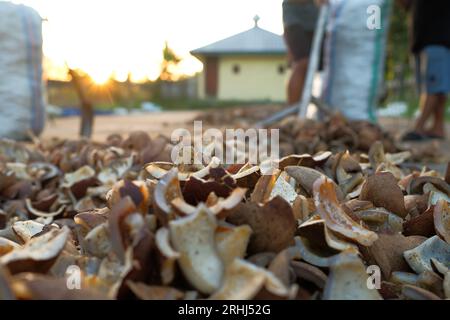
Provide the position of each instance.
(243, 280)
(306, 177)
(348, 280)
(383, 191)
(25, 230)
(232, 242)
(316, 231)
(146, 292)
(419, 258)
(6, 293)
(38, 254)
(169, 255)
(39, 213)
(441, 217)
(166, 190)
(446, 285)
(159, 170)
(310, 255)
(193, 237)
(335, 217)
(220, 208)
(273, 224)
(97, 241)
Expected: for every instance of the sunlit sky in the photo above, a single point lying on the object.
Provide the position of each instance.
(105, 37)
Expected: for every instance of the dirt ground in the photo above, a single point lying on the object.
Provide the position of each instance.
(156, 123)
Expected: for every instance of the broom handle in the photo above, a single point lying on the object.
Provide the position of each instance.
(313, 62)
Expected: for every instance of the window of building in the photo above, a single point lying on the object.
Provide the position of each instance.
(236, 69)
(281, 69)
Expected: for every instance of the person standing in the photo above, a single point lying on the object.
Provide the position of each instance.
(299, 20)
(430, 44)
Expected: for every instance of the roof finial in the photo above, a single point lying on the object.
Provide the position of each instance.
(256, 19)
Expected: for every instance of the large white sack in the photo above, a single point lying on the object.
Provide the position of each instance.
(354, 57)
(22, 92)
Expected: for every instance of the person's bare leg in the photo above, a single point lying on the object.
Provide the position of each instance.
(438, 128)
(428, 105)
(297, 81)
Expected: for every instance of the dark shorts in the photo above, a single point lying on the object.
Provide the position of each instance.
(298, 41)
(433, 70)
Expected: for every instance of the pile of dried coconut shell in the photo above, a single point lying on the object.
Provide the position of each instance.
(302, 227)
(335, 133)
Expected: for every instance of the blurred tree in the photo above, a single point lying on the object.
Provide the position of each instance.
(86, 106)
(398, 55)
(169, 63)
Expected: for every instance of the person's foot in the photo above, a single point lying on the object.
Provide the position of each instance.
(435, 136)
(414, 136)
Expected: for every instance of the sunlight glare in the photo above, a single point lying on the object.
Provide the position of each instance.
(121, 37)
(99, 78)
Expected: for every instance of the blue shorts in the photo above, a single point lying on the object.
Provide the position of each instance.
(433, 70)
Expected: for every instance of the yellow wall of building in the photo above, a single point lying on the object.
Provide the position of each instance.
(258, 79)
(201, 81)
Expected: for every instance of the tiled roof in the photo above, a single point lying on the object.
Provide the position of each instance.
(253, 41)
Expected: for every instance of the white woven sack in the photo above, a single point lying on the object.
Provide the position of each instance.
(354, 57)
(22, 92)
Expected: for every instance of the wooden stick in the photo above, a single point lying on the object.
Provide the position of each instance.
(302, 106)
(313, 65)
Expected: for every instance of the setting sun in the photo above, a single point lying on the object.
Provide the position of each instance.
(99, 77)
